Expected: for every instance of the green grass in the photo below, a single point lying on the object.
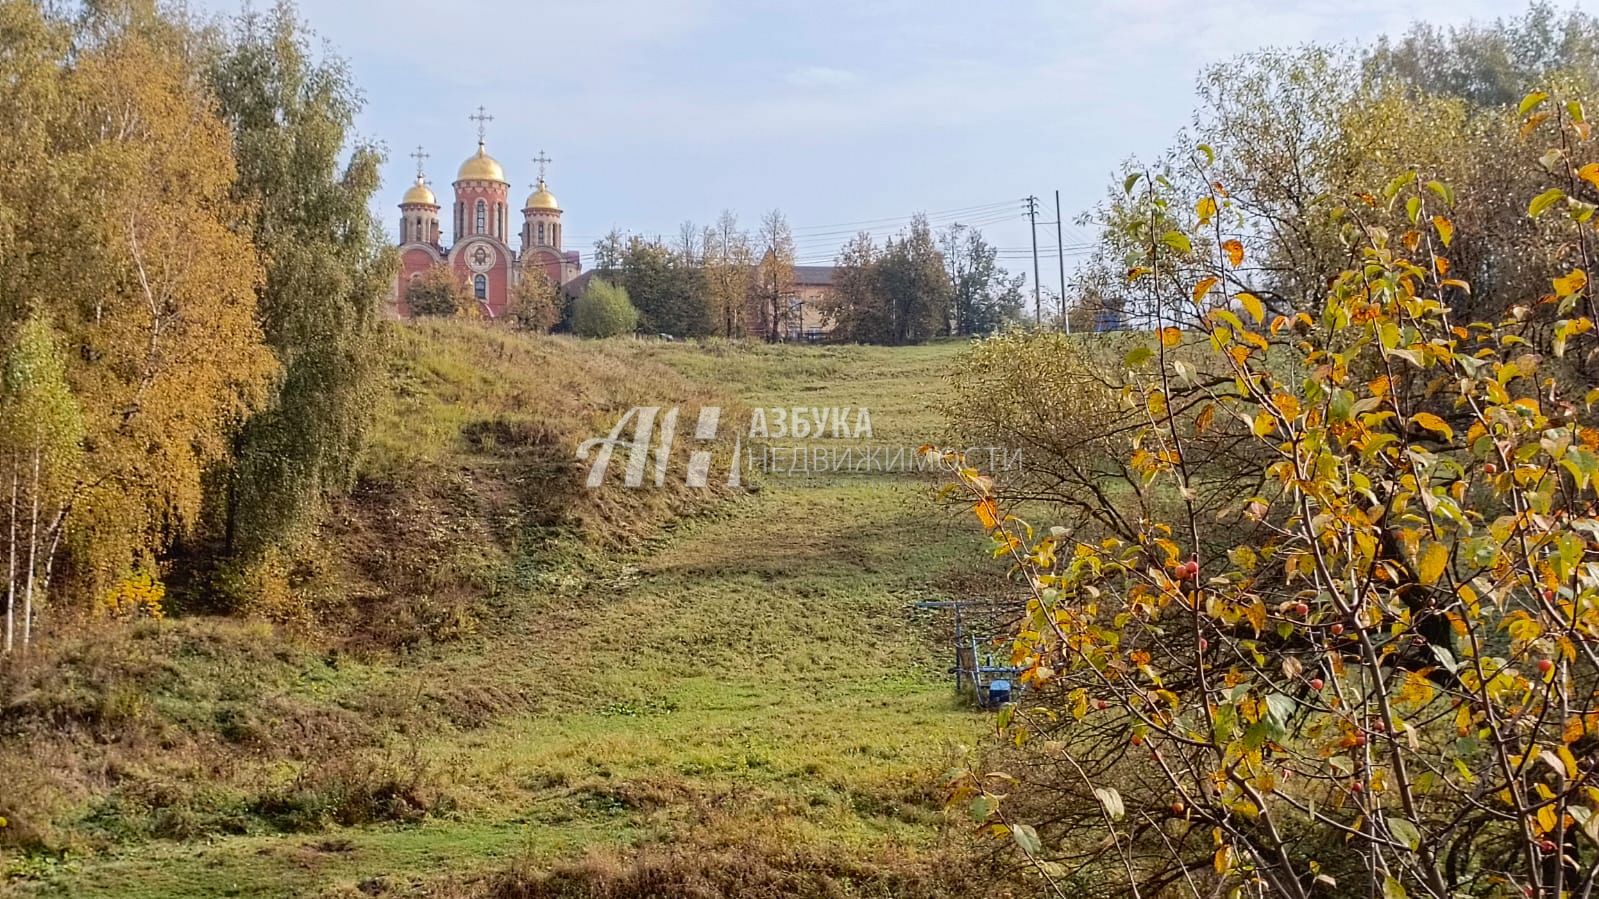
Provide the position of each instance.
(758, 668)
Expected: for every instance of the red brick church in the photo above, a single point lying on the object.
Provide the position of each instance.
(481, 254)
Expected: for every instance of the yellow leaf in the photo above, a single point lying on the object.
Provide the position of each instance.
(1567, 760)
(1547, 819)
(1256, 615)
(1203, 288)
(1590, 173)
(1433, 423)
(1171, 336)
(1253, 306)
(1431, 563)
(1206, 209)
(1263, 424)
(1234, 251)
(1571, 283)
(1446, 229)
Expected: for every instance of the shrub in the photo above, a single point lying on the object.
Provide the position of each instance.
(438, 292)
(603, 310)
(1384, 682)
(136, 596)
(535, 302)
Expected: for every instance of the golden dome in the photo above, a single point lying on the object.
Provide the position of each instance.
(541, 198)
(419, 193)
(481, 167)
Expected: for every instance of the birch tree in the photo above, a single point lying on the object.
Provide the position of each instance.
(41, 436)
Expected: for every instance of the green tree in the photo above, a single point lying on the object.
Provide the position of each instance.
(604, 310)
(437, 292)
(983, 296)
(308, 184)
(608, 253)
(856, 306)
(1493, 64)
(914, 284)
(667, 287)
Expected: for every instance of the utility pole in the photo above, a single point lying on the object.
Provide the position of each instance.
(1038, 301)
(1060, 256)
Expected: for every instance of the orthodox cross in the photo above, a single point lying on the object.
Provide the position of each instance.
(542, 160)
(482, 118)
(420, 157)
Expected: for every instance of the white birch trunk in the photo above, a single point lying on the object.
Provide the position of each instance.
(33, 554)
(11, 563)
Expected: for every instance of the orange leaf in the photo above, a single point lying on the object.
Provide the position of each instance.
(1171, 336)
(1234, 251)
(988, 513)
(1203, 287)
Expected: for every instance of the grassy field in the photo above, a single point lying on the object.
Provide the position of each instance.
(745, 701)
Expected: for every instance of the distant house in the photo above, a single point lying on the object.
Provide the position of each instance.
(803, 320)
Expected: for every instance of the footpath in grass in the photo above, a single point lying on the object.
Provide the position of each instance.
(758, 670)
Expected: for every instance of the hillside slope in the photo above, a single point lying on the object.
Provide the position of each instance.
(516, 687)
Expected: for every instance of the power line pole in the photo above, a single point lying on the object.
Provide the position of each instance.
(1060, 256)
(1038, 302)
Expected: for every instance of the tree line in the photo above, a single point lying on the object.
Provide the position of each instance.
(722, 281)
(189, 286)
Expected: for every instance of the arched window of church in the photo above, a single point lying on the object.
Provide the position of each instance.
(541, 233)
(482, 217)
(480, 287)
